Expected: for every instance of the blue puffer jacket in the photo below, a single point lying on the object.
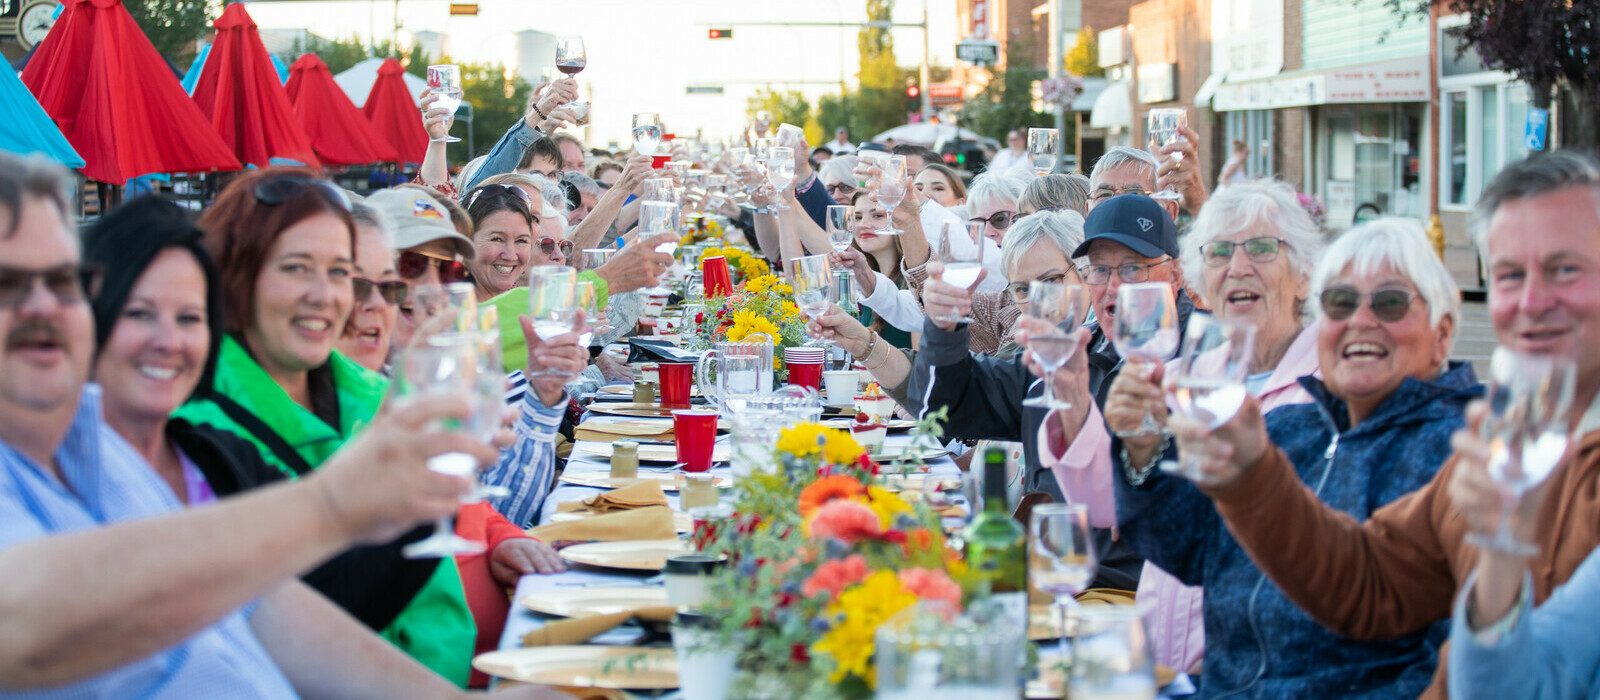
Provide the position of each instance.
(1256, 639)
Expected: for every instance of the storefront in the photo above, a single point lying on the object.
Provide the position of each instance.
(1480, 123)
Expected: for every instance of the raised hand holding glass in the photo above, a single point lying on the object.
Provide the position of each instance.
(444, 81)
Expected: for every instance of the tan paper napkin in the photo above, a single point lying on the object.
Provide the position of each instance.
(647, 523)
(642, 493)
(601, 431)
(582, 629)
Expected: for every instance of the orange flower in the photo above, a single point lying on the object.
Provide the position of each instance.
(835, 576)
(931, 584)
(826, 489)
(846, 521)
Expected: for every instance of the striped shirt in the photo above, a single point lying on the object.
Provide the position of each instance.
(110, 482)
(528, 468)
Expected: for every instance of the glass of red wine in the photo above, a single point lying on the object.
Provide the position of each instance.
(570, 58)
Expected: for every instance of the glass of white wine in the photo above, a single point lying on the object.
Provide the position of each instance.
(813, 289)
(1042, 145)
(1145, 331)
(647, 133)
(1209, 379)
(1163, 128)
(444, 81)
(552, 304)
(891, 189)
(1061, 556)
(780, 172)
(960, 268)
(1059, 304)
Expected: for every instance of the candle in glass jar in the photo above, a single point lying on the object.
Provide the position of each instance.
(624, 459)
(700, 491)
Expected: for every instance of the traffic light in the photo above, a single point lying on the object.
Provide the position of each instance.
(913, 98)
(721, 33)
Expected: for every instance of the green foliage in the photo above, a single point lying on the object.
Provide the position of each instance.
(880, 105)
(174, 25)
(786, 107)
(1007, 101)
(1084, 59)
(834, 111)
(499, 98)
(340, 54)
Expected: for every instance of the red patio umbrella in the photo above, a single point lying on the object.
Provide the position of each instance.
(339, 132)
(117, 101)
(239, 92)
(393, 113)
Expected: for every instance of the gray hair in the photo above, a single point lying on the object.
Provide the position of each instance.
(22, 177)
(838, 169)
(1062, 228)
(997, 191)
(1241, 206)
(469, 171)
(548, 190)
(1062, 191)
(1536, 175)
(1120, 156)
(366, 215)
(1399, 244)
(585, 184)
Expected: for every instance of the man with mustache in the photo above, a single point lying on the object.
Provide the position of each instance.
(111, 589)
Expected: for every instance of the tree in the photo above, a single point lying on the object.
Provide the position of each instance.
(786, 107)
(1007, 101)
(1552, 46)
(880, 105)
(174, 25)
(834, 111)
(499, 98)
(1084, 59)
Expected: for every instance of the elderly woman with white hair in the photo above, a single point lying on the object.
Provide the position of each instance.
(1378, 426)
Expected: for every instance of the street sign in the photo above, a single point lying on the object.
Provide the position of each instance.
(943, 95)
(1535, 128)
(463, 8)
(703, 90)
(978, 52)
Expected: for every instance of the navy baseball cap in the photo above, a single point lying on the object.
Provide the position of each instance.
(1134, 220)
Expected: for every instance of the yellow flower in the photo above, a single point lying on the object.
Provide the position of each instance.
(753, 267)
(887, 505)
(758, 284)
(783, 289)
(746, 322)
(841, 447)
(790, 311)
(801, 440)
(856, 615)
(711, 253)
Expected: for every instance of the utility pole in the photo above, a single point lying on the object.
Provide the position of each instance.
(927, 100)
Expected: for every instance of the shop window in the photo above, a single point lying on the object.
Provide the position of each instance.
(1456, 150)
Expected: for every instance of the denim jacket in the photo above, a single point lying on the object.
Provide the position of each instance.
(1255, 638)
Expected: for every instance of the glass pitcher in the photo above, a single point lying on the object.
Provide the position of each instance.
(1111, 655)
(730, 373)
(927, 653)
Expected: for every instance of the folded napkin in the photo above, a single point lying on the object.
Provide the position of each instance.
(602, 431)
(641, 493)
(647, 523)
(1105, 596)
(582, 629)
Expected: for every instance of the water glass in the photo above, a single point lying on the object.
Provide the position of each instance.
(647, 133)
(840, 220)
(1059, 304)
(1528, 427)
(1146, 332)
(1042, 149)
(552, 304)
(447, 366)
(962, 262)
(1162, 129)
(1061, 556)
(1111, 655)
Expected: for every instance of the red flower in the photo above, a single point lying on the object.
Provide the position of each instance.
(798, 654)
(866, 464)
(699, 318)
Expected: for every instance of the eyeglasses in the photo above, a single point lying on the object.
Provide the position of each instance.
(548, 246)
(1261, 250)
(1131, 272)
(999, 219)
(412, 264)
(1389, 305)
(1019, 290)
(277, 190)
(1108, 192)
(393, 292)
(486, 189)
(840, 188)
(70, 283)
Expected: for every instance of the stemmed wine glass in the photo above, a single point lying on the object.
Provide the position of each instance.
(647, 133)
(1042, 144)
(570, 56)
(814, 291)
(1146, 332)
(1059, 304)
(780, 172)
(840, 220)
(589, 301)
(1528, 427)
(444, 81)
(1162, 128)
(1209, 384)
(552, 305)
(655, 218)
(959, 270)
(447, 365)
(891, 189)
(1061, 555)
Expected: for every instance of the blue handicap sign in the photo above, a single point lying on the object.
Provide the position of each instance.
(1534, 129)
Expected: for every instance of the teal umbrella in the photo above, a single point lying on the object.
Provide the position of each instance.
(31, 130)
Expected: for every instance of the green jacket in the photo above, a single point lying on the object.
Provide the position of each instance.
(435, 627)
(514, 303)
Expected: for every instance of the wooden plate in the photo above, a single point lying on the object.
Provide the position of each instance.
(670, 481)
(654, 452)
(584, 602)
(681, 522)
(632, 668)
(633, 555)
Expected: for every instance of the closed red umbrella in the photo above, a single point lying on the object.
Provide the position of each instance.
(393, 113)
(117, 101)
(339, 132)
(239, 92)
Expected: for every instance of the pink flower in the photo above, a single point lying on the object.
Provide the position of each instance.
(846, 521)
(931, 584)
(835, 576)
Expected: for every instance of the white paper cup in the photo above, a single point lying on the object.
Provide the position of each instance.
(841, 386)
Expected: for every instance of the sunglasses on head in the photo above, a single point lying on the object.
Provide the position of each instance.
(70, 283)
(999, 219)
(277, 190)
(393, 292)
(488, 189)
(1389, 305)
(412, 264)
(548, 245)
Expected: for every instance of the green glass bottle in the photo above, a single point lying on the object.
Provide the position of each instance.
(996, 545)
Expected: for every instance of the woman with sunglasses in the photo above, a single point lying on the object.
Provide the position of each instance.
(1377, 427)
(432, 248)
(377, 289)
(992, 199)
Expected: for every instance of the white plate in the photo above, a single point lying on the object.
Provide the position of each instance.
(670, 481)
(654, 453)
(634, 555)
(634, 668)
(584, 602)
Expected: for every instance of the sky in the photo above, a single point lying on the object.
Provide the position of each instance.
(644, 53)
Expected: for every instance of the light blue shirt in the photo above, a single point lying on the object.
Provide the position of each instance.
(527, 470)
(1550, 652)
(110, 482)
(505, 155)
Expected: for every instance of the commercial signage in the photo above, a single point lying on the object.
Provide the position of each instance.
(979, 52)
(1403, 80)
(1158, 82)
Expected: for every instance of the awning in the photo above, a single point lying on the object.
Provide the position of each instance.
(1202, 97)
(1084, 102)
(1396, 80)
(1113, 108)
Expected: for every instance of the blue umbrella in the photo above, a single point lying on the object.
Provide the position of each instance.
(31, 130)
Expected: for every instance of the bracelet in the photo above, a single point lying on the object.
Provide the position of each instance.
(872, 344)
(540, 112)
(1137, 477)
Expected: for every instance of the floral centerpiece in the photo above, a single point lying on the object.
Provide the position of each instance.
(760, 303)
(821, 552)
(741, 263)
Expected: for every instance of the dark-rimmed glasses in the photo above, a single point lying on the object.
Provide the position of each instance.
(1000, 219)
(1130, 272)
(1109, 192)
(70, 283)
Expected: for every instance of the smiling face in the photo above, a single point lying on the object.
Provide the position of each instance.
(302, 296)
(45, 358)
(1267, 294)
(157, 349)
(366, 336)
(1043, 261)
(504, 241)
(1544, 290)
(935, 186)
(1103, 297)
(870, 218)
(1364, 359)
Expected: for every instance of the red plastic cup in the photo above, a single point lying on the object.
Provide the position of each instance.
(675, 379)
(807, 374)
(718, 279)
(696, 433)
(659, 162)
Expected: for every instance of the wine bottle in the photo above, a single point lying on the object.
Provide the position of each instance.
(996, 546)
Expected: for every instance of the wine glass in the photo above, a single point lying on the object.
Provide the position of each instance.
(1162, 128)
(962, 265)
(657, 189)
(840, 219)
(1528, 427)
(1060, 304)
(780, 172)
(443, 308)
(444, 80)
(1146, 332)
(570, 57)
(1061, 555)
(593, 258)
(891, 189)
(552, 304)
(1111, 655)
(762, 148)
(447, 365)
(655, 218)
(647, 133)
(589, 301)
(1042, 144)
(1210, 377)
(814, 291)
